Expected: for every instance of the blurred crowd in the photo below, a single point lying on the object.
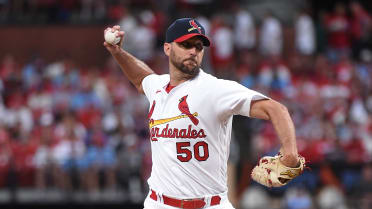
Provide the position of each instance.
(84, 128)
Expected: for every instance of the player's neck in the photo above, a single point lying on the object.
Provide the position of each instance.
(176, 76)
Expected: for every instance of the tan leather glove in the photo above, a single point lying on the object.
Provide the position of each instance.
(272, 173)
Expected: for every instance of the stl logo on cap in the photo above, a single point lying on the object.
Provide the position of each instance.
(194, 26)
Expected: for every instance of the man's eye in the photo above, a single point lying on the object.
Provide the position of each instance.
(199, 47)
(187, 45)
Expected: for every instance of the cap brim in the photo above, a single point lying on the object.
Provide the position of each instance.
(204, 38)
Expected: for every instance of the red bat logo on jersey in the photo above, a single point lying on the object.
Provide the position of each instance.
(184, 108)
(194, 26)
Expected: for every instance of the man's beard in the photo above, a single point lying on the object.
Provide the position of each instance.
(189, 73)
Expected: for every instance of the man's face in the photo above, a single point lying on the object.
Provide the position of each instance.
(187, 56)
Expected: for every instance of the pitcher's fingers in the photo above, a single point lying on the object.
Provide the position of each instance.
(120, 34)
(117, 27)
(107, 45)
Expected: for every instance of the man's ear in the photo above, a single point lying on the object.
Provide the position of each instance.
(167, 47)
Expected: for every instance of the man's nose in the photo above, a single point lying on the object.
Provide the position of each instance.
(193, 50)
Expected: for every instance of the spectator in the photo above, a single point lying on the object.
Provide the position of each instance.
(129, 170)
(23, 147)
(329, 179)
(361, 28)
(40, 101)
(358, 112)
(9, 74)
(222, 49)
(128, 23)
(86, 97)
(160, 20)
(363, 69)
(365, 133)
(271, 41)
(17, 112)
(46, 175)
(4, 10)
(99, 158)
(244, 30)
(93, 10)
(31, 73)
(245, 69)
(298, 198)
(144, 38)
(356, 153)
(363, 189)
(321, 31)
(254, 198)
(304, 34)
(344, 70)
(337, 27)
(274, 74)
(331, 197)
(205, 22)
(69, 151)
(5, 157)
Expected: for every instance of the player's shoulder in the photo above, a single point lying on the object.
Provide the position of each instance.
(157, 79)
(210, 79)
(164, 78)
(207, 78)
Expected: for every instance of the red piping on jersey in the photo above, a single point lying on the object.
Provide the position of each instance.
(169, 88)
(151, 110)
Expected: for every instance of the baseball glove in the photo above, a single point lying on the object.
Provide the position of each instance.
(272, 173)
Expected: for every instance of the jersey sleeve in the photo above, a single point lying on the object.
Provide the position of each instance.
(149, 85)
(235, 99)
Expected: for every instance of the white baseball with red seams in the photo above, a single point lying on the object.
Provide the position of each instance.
(112, 37)
(190, 131)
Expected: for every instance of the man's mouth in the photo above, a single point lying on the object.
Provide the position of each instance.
(191, 61)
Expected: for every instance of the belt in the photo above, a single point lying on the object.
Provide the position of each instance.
(186, 203)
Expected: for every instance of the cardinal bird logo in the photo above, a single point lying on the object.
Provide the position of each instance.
(185, 113)
(184, 108)
(194, 26)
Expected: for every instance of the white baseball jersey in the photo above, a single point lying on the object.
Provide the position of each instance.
(190, 130)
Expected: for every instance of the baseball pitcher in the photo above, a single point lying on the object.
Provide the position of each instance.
(190, 122)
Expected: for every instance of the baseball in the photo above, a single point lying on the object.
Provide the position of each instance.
(111, 38)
